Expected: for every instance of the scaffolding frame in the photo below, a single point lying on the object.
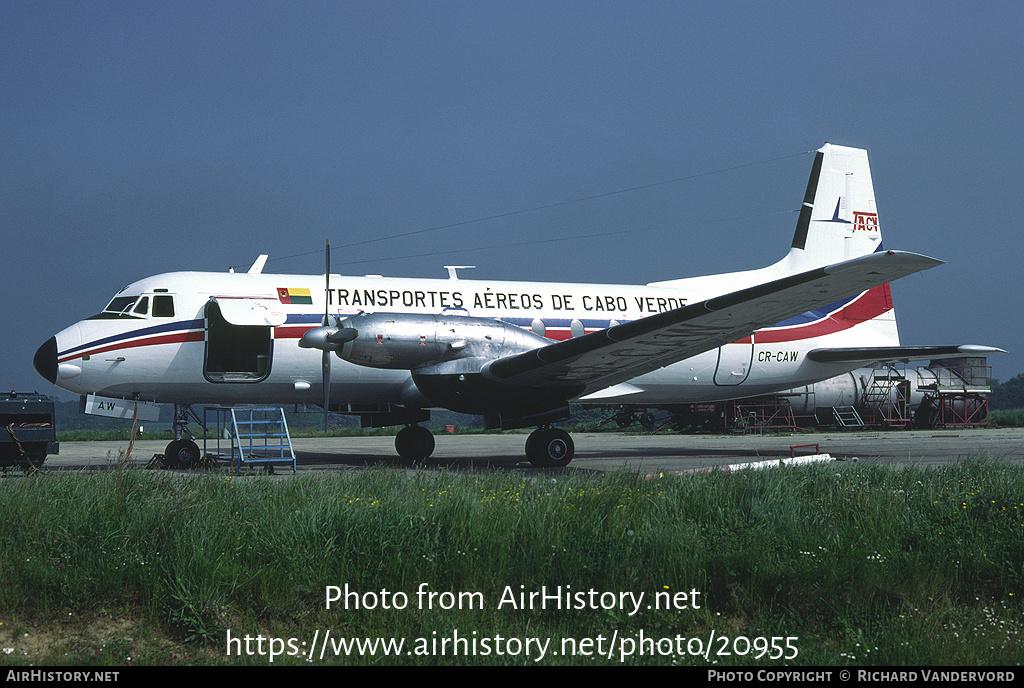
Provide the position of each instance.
(960, 393)
(756, 414)
(887, 398)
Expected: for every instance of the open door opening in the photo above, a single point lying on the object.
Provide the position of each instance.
(236, 352)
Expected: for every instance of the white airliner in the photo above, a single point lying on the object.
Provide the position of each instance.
(516, 353)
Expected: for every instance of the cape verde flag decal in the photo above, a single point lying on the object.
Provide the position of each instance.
(294, 296)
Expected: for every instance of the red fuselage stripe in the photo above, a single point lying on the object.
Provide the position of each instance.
(176, 338)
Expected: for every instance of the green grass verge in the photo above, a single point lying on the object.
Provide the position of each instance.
(836, 564)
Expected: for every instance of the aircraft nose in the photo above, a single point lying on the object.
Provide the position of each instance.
(45, 360)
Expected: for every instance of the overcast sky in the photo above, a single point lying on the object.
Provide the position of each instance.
(146, 137)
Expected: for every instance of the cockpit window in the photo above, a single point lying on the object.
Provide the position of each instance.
(163, 306)
(120, 304)
(138, 307)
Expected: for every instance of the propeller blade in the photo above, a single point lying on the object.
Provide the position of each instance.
(326, 359)
(327, 281)
(327, 385)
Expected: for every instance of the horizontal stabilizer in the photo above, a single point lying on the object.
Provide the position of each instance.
(884, 354)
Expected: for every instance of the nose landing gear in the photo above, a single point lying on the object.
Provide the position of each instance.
(182, 453)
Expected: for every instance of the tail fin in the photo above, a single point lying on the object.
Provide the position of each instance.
(839, 221)
(838, 218)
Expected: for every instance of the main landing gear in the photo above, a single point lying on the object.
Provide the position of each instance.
(414, 443)
(545, 447)
(549, 447)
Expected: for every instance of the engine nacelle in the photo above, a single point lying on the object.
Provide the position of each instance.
(409, 341)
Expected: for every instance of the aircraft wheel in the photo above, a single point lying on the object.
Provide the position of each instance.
(414, 443)
(550, 447)
(181, 454)
(170, 460)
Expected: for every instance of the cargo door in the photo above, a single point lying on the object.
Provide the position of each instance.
(239, 339)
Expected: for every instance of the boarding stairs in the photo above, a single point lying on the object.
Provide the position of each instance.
(256, 437)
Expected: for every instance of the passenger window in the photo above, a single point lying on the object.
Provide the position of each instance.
(142, 307)
(163, 306)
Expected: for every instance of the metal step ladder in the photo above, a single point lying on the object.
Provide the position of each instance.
(258, 437)
(847, 417)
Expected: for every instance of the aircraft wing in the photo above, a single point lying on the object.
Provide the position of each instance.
(601, 359)
(871, 354)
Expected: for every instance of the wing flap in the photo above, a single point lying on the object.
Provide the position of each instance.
(622, 352)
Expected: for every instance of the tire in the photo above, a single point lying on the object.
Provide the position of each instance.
(550, 448)
(414, 443)
(181, 454)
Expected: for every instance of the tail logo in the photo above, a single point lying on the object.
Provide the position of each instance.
(865, 222)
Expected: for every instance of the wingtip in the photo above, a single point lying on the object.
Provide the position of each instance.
(921, 259)
(979, 350)
(894, 263)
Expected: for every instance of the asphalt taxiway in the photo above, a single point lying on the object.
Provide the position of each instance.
(603, 451)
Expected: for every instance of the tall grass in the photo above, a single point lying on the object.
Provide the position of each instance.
(862, 564)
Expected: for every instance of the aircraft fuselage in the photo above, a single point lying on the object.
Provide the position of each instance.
(167, 343)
